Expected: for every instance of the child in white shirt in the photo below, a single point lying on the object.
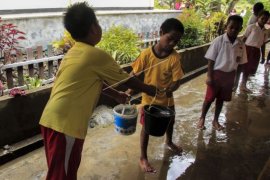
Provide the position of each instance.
(224, 55)
(255, 37)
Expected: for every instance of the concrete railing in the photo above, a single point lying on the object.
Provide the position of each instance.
(44, 64)
(20, 115)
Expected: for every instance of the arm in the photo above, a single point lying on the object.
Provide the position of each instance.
(263, 53)
(247, 33)
(173, 87)
(119, 96)
(209, 80)
(135, 84)
(244, 39)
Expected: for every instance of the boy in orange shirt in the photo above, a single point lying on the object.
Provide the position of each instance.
(76, 90)
(162, 68)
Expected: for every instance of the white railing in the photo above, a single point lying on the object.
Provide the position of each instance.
(43, 64)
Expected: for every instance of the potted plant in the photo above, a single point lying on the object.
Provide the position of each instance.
(9, 40)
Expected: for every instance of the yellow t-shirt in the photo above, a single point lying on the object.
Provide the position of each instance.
(77, 89)
(158, 72)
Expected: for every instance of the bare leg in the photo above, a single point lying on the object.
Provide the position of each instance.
(244, 83)
(145, 165)
(237, 77)
(205, 108)
(169, 134)
(219, 105)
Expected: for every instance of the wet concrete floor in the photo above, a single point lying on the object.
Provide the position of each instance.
(239, 152)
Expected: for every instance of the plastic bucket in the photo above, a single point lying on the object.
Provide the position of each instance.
(125, 119)
(157, 119)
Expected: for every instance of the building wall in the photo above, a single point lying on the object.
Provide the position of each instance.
(44, 28)
(52, 4)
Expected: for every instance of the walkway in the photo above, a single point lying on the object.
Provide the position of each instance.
(239, 152)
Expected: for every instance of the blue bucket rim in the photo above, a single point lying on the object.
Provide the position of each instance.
(125, 116)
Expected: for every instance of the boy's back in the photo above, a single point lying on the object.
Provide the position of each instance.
(78, 84)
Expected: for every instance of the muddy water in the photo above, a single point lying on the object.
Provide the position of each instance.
(239, 152)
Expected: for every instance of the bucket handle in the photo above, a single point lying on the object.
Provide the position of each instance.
(158, 92)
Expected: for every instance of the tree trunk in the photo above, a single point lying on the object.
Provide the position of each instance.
(231, 5)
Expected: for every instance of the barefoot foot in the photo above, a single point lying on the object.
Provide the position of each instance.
(146, 167)
(175, 148)
(200, 124)
(245, 89)
(217, 126)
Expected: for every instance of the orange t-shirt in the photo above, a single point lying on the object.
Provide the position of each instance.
(158, 72)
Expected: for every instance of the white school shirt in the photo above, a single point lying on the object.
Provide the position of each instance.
(227, 56)
(256, 36)
(252, 19)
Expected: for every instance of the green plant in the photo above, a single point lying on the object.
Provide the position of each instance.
(194, 29)
(207, 6)
(163, 4)
(9, 36)
(32, 82)
(65, 43)
(122, 43)
(214, 25)
(246, 18)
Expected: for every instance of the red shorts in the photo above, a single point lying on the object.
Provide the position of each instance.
(142, 118)
(253, 56)
(63, 154)
(222, 88)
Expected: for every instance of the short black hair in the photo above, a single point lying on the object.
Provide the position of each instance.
(235, 18)
(258, 7)
(172, 24)
(264, 13)
(78, 19)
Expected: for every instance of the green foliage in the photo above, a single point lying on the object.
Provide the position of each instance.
(194, 29)
(32, 82)
(266, 4)
(246, 18)
(162, 4)
(65, 43)
(207, 6)
(214, 25)
(9, 36)
(121, 43)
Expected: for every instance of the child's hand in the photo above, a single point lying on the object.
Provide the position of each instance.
(169, 94)
(209, 81)
(122, 98)
(129, 92)
(152, 90)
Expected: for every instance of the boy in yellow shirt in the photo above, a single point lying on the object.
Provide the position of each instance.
(76, 90)
(162, 68)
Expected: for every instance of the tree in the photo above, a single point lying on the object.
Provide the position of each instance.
(231, 5)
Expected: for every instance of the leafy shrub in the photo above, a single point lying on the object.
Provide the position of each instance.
(121, 43)
(214, 25)
(246, 18)
(64, 44)
(9, 36)
(194, 29)
(32, 82)
(164, 4)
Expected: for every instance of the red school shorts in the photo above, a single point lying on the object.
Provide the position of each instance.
(63, 154)
(222, 88)
(253, 56)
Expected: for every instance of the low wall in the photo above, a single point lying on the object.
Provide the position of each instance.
(44, 28)
(19, 116)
